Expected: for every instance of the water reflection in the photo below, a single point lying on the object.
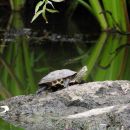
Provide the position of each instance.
(26, 56)
(107, 60)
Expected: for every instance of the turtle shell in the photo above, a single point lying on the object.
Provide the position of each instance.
(56, 75)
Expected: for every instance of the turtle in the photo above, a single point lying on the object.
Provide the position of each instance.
(59, 79)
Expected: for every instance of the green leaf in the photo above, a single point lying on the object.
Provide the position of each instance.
(57, 0)
(36, 15)
(39, 4)
(41, 69)
(50, 3)
(52, 10)
(44, 13)
(44, 9)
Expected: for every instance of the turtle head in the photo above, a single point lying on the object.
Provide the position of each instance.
(83, 70)
(81, 74)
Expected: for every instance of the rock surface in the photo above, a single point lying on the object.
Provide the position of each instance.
(90, 106)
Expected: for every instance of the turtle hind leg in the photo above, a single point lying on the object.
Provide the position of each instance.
(43, 88)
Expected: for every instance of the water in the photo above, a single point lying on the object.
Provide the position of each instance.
(28, 52)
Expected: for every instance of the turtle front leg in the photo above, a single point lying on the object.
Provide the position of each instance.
(66, 82)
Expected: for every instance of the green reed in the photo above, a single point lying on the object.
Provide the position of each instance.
(106, 60)
(17, 5)
(111, 14)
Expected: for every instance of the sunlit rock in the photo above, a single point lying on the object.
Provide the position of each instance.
(95, 105)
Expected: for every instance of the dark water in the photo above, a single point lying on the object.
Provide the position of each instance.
(30, 51)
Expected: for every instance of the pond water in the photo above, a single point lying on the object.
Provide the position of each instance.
(30, 51)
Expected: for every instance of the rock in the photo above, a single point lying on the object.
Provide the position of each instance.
(88, 106)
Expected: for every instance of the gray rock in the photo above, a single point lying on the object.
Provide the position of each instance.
(90, 106)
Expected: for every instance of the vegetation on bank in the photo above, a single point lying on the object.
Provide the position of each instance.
(111, 15)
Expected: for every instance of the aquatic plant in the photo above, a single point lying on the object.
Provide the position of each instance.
(44, 9)
(111, 14)
(17, 4)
